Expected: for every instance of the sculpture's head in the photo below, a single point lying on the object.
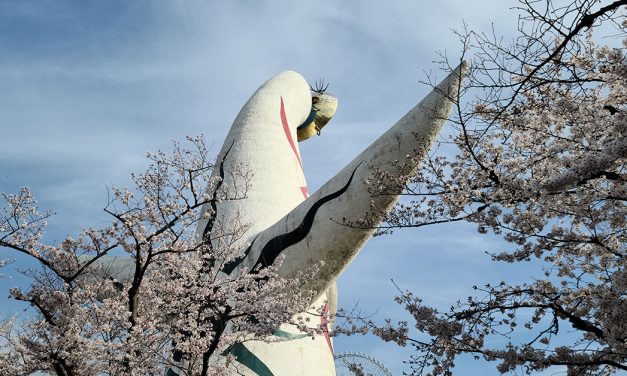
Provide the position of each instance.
(323, 107)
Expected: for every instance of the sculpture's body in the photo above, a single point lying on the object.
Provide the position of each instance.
(263, 140)
(284, 220)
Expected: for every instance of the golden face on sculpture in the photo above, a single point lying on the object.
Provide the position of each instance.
(323, 107)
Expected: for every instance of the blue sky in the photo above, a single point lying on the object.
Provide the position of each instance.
(87, 87)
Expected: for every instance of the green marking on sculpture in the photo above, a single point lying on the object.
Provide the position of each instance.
(284, 334)
(247, 358)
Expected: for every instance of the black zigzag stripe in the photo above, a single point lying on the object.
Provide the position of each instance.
(278, 244)
(206, 233)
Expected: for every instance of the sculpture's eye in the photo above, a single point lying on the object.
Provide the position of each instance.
(315, 100)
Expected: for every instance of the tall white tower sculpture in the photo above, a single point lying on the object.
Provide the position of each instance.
(285, 220)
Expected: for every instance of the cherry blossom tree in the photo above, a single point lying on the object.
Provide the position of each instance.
(172, 303)
(537, 156)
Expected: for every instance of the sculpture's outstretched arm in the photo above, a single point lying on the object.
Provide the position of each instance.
(313, 232)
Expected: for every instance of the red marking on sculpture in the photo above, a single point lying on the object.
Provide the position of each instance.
(304, 191)
(324, 323)
(288, 134)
